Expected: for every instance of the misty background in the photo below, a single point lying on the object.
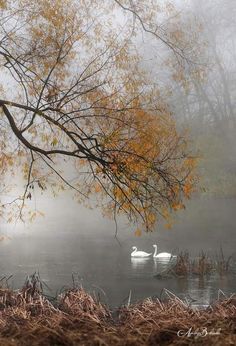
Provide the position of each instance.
(71, 239)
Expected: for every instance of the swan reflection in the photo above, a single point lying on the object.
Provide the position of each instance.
(162, 264)
(139, 263)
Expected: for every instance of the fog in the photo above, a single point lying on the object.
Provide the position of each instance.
(71, 238)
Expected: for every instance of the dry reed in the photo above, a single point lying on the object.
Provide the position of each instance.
(28, 318)
(184, 265)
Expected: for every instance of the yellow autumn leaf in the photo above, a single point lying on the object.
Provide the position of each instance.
(138, 232)
(54, 141)
(168, 225)
(178, 206)
(97, 188)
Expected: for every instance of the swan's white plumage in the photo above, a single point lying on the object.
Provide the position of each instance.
(161, 254)
(136, 253)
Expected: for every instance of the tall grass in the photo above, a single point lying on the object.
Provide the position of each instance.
(201, 265)
(27, 318)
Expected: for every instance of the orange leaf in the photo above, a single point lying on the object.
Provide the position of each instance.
(138, 232)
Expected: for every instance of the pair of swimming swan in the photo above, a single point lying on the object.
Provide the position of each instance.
(144, 254)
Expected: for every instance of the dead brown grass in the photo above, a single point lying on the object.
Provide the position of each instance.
(28, 318)
(202, 265)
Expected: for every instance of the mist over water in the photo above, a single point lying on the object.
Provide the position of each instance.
(74, 241)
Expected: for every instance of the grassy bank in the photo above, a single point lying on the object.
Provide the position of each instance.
(76, 318)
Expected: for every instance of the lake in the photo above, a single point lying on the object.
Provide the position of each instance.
(73, 241)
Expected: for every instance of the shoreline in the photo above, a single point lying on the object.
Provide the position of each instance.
(77, 318)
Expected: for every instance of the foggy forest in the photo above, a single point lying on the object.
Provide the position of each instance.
(118, 172)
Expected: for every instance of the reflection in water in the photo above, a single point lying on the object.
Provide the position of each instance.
(199, 292)
(162, 264)
(157, 265)
(201, 282)
(196, 291)
(139, 263)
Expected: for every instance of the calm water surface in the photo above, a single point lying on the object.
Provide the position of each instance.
(71, 240)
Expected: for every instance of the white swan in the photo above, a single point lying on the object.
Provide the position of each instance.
(161, 254)
(136, 253)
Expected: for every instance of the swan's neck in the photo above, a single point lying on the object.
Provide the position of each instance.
(135, 250)
(155, 252)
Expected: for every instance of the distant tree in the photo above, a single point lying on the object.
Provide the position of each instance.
(208, 104)
(72, 90)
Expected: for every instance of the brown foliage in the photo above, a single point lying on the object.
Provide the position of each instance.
(27, 318)
(81, 97)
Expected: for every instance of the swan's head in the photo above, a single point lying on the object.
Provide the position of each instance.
(134, 247)
(154, 245)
